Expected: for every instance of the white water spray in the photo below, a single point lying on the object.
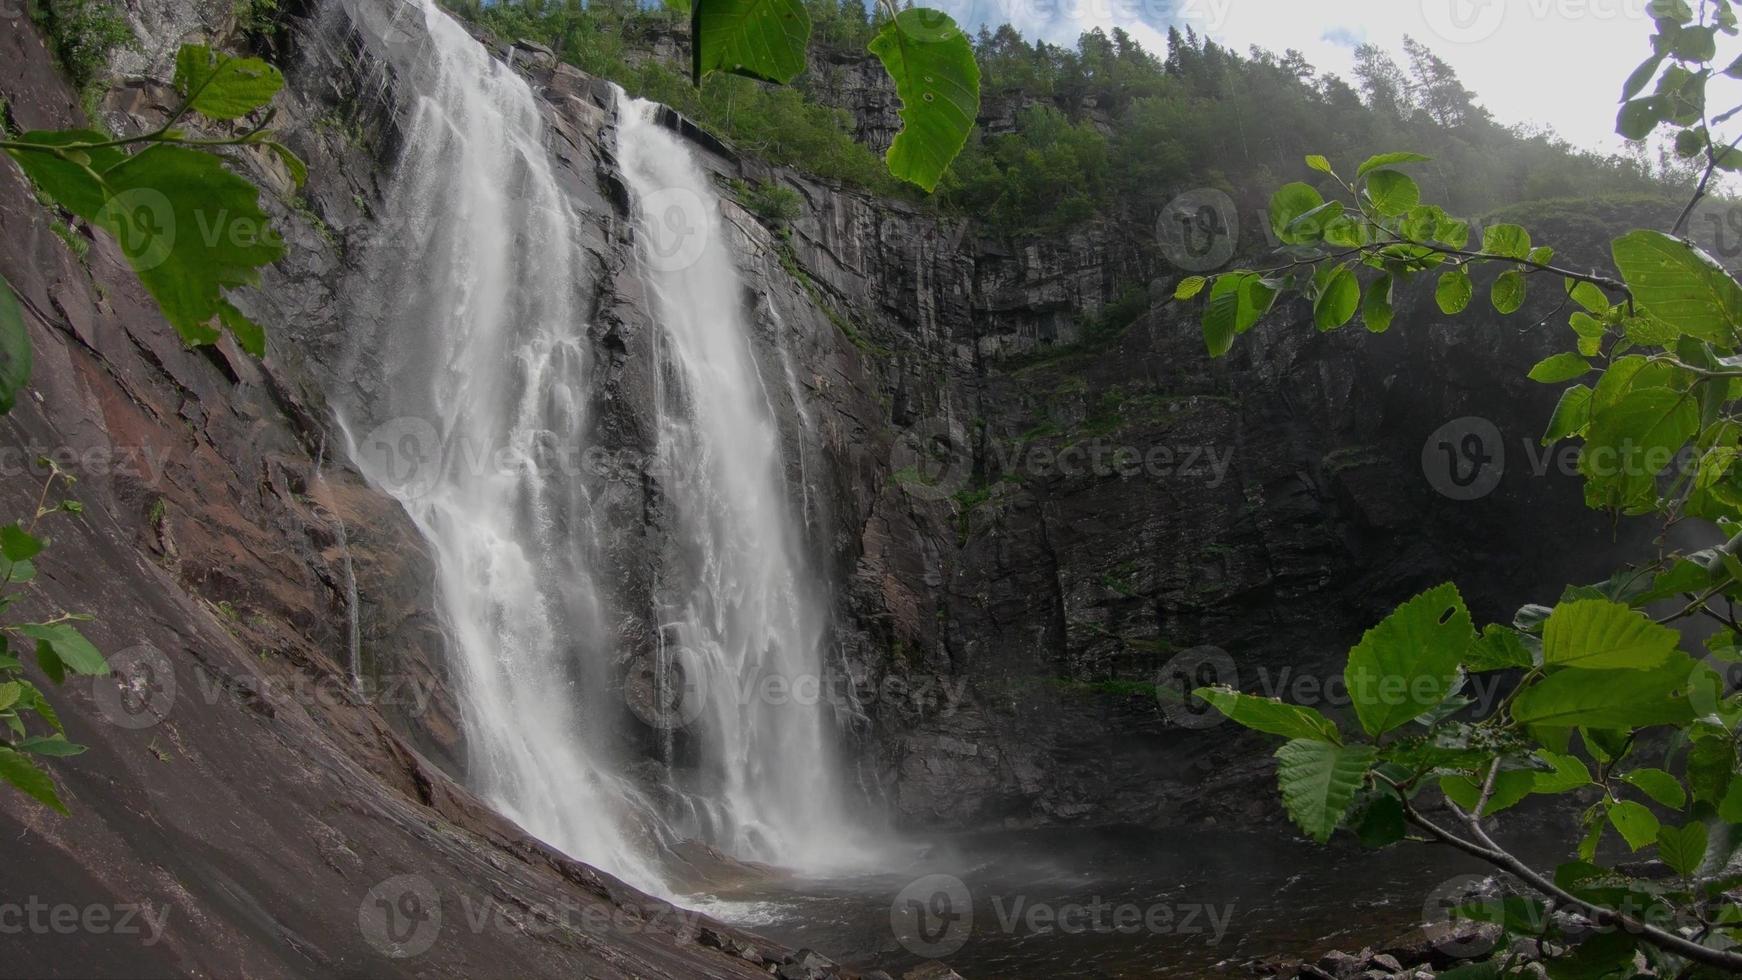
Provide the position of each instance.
(740, 602)
(469, 328)
(470, 309)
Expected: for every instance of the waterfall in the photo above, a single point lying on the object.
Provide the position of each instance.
(469, 312)
(470, 370)
(738, 598)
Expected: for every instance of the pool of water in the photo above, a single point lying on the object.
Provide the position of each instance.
(1105, 903)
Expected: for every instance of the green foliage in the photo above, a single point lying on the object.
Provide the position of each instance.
(776, 204)
(762, 39)
(190, 227)
(1606, 662)
(1318, 780)
(925, 54)
(82, 33)
(32, 728)
(932, 64)
(15, 356)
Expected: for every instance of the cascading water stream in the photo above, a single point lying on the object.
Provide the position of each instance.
(471, 369)
(468, 309)
(737, 595)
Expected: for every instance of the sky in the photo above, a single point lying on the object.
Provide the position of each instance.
(1557, 63)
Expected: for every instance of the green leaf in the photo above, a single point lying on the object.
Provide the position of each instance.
(1597, 956)
(1679, 285)
(1508, 292)
(1683, 849)
(1601, 635)
(247, 333)
(1630, 442)
(1392, 192)
(1380, 822)
(1498, 649)
(51, 665)
(189, 226)
(1638, 117)
(932, 64)
(1569, 773)
(1288, 204)
(1636, 823)
(1676, 11)
(1269, 715)
(762, 39)
(1641, 77)
(1338, 300)
(1376, 310)
(1571, 415)
(1189, 287)
(36, 702)
(1454, 291)
(1237, 301)
(75, 186)
(1607, 699)
(17, 544)
(222, 86)
(1589, 296)
(33, 782)
(15, 352)
(1318, 782)
(1510, 786)
(1221, 313)
(1388, 160)
(1558, 368)
(292, 163)
(1658, 785)
(1314, 225)
(1730, 806)
(1407, 663)
(1506, 241)
(1524, 916)
(53, 745)
(191, 229)
(69, 647)
(1591, 332)
(9, 693)
(1320, 164)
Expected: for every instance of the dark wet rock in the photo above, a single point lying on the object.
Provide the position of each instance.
(269, 813)
(805, 965)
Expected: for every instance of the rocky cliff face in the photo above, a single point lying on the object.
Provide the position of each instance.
(1036, 496)
(247, 807)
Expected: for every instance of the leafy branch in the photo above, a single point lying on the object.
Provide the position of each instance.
(190, 228)
(925, 52)
(1659, 433)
